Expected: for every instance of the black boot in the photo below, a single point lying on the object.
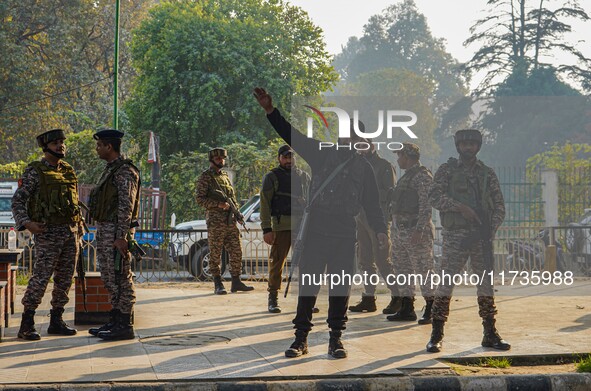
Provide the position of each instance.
(27, 330)
(123, 329)
(57, 324)
(335, 345)
(426, 318)
(407, 311)
(299, 346)
(367, 304)
(434, 344)
(218, 286)
(113, 316)
(273, 305)
(394, 305)
(491, 338)
(238, 285)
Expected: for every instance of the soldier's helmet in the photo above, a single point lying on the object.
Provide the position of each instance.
(411, 150)
(468, 135)
(51, 135)
(220, 152)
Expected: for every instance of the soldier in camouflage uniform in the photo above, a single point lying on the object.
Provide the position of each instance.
(46, 203)
(413, 231)
(214, 192)
(371, 258)
(114, 203)
(460, 188)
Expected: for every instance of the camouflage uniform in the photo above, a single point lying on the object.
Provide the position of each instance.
(56, 249)
(414, 258)
(125, 179)
(455, 250)
(221, 224)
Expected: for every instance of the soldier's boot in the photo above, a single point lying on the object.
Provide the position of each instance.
(434, 344)
(367, 304)
(491, 338)
(27, 330)
(273, 305)
(123, 329)
(407, 311)
(113, 317)
(394, 305)
(299, 346)
(239, 286)
(57, 324)
(219, 288)
(426, 318)
(315, 310)
(335, 345)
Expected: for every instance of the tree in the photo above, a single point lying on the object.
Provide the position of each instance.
(197, 63)
(523, 35)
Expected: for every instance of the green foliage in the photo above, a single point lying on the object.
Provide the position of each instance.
(584, 364)
(22, 278)
(12, 170)
(248, 162)
(494, 362)
(197, 63)
(573, 165)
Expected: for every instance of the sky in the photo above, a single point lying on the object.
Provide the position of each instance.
(449, 19)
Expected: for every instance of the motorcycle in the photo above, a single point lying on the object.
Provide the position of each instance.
(530, 255)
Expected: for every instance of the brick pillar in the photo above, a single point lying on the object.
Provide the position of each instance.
(13, 270)
(97, 301)
(6, 276)
(3, 309)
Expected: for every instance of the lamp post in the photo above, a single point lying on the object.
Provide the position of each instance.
(116, 67)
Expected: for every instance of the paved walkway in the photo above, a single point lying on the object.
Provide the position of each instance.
(186, 332)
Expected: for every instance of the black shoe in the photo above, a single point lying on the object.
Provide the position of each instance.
(122, 330)
(57, 324)
(491, 338)
(335, 345)
(113, 316)
(299, 346)
(219, 288)
(394, 305)
(273, 306)
(315, 310)
(27, 330)
(407, 311)
(426, 318)
(367, 304)
(434, 344)
(239, 286)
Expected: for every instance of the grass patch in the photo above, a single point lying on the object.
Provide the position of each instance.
(493, 362)
(22, 279)
(584, 364)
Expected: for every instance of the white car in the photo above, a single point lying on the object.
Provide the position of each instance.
(578, 242)
(190, 248)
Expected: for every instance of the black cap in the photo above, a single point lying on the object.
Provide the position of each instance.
(284, 150)
(108, 133)
(49, 136)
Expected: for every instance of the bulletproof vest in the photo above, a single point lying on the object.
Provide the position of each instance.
(462, 190)
(56, 202)
(405, 198)
(289, 196)
(343, 194)
(222, 182)
(103, 203)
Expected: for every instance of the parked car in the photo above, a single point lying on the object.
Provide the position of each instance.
(190, 248)
(578, 243)
(7, 190)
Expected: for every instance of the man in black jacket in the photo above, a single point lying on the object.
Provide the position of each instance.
(331, 232)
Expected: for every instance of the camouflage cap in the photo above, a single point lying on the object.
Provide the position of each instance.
(49, 136)
(221, 152)
(467, 135)
(410, 150)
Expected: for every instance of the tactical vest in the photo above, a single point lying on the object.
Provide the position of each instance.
(56, 202)
(103, 203)
(289, 196)
(460, 189)
(405, 198)
(222, 182)
(343, 194)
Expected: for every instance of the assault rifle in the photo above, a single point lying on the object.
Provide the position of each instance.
(80, 269)
(233, 209)
(298, 248)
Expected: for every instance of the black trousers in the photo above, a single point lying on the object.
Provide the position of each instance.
(325, 261)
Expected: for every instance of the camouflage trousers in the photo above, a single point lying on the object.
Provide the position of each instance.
(454, 257)
(118, 283)
(56, 252)
(220, 235)
(413, 259)
(279, 250)
(372, 259)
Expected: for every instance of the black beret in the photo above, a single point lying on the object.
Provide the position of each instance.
(108, 133)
